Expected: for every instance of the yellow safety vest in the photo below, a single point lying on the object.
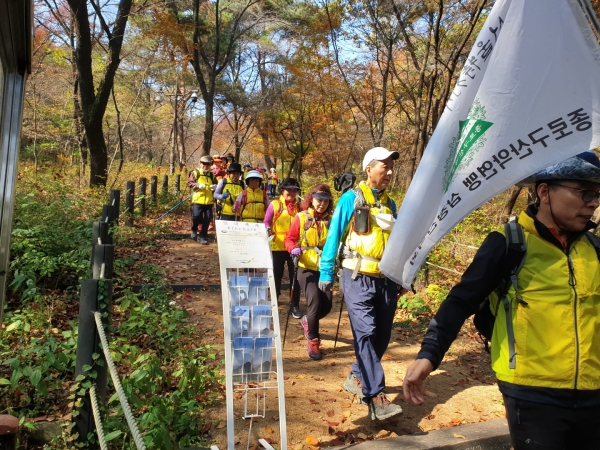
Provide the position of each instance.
(282, 220)
(203, 196)
(234, 190)
(556, 324)
(364, 251)
(311, 240)
(253, 205)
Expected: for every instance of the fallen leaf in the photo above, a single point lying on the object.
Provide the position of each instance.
(332, 424)
(347, 413)
(310, 440)
(361, 436)
(268, 430)
(347, 405)
(221, 425)
(313, 402)
(459, 436)
(331, 413)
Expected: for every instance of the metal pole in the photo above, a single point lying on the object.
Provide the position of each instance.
(153, 189)
(129, 203)
(339, 320)
(142, 194)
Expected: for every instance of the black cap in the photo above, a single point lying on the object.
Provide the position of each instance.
(289, 183)
(234, 167)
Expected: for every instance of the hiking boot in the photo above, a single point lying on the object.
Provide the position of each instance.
(353, 384)
(313, 348)
(304, 323)
(194, 235)
(295, 312)
(381, 408)
(203, 240)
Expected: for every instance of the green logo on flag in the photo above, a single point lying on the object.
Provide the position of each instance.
(467, 142)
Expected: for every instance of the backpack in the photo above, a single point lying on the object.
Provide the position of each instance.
(516, 250)
(239, 183)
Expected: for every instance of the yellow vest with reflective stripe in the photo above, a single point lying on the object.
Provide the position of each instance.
(203, 196)
(282, 220)
(253, 210)
(234, 190)
(373, 243)
(557, 326)
(311, 238)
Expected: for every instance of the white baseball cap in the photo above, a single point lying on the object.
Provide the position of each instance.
(378, 154)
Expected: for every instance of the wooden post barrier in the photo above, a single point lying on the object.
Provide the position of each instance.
(129, 203)
(114, 200)
(88, 344)
(165, 186)
(142, 195)
(9, 432)
(177, 184)
(100, 233)
(153, 189)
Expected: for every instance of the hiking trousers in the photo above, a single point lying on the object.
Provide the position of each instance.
(201, 218)
(318, 302)
(537, 426)
(371, 304)
(280, 259)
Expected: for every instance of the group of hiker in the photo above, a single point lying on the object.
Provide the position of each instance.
(218, 183)
(537, 280)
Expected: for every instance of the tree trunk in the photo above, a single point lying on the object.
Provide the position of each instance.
(514, 194)
(208, 125)
(98, 153)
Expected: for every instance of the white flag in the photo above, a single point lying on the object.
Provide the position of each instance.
(528, 96)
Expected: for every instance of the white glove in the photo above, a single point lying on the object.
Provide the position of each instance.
(213, 187)
(201, 186)
(325, 286)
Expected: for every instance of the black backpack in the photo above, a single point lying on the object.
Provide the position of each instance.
(516, 250)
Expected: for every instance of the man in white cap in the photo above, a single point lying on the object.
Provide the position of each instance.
(362, 222)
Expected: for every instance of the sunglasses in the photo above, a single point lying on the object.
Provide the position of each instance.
(587, 195)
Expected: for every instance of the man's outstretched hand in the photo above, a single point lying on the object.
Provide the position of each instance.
(413, 381)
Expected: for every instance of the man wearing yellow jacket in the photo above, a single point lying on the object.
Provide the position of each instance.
(362, 222)
(203, 183)
(546, 347)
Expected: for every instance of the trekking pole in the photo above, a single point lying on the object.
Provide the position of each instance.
(293, 281)
(174, 207)
(339, 320)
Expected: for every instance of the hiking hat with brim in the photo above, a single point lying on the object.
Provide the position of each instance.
(582, 167)
(322, 195)
(289, 183)
(206, 159)
(253, 174)
(378, 154)
(234, 167)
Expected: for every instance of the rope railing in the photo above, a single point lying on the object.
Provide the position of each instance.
(96, 414)
(137, 438)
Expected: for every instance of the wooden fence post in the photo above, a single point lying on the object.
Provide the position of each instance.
(165, 186)
(129, 203)
(153, 189)
(142, 194)
(114, 200)
(177, 183)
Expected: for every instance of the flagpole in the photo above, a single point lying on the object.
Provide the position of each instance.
(591, 15)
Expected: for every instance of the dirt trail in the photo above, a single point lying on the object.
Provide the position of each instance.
(462, 390)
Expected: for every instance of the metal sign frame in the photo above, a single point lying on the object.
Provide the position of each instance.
(253, 254)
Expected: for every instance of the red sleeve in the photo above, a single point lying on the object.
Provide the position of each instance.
(293, 235)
